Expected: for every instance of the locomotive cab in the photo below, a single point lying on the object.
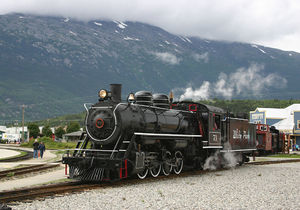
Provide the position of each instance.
(208, 122)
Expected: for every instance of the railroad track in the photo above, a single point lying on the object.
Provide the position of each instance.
(266, 162)
(44, 191)
(26, 170)
(27, 156)
(29, 194)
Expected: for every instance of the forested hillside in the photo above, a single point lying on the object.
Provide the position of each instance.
(233, 106)
(53, 65)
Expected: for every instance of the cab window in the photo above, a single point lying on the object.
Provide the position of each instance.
(216, 122)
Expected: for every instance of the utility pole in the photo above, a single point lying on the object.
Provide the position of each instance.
(23, 109)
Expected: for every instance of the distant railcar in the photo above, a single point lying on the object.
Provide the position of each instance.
(269, 139)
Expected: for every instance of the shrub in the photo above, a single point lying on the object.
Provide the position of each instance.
(50, 144)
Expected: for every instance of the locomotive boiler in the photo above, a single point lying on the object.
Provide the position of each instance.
(147, 134)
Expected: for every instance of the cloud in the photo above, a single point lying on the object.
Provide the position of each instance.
(201, 57)
(166, 57)
(272, 22)
(243, 82)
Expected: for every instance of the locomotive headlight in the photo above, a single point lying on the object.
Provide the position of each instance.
(103, 94)
(130, 97)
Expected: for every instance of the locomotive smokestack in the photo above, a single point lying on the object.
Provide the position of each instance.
(116, 90)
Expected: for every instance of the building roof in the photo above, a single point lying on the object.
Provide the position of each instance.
(273, 113)
(280, 113)
(286, 125)
(287, 115)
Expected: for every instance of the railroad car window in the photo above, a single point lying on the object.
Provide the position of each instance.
(263, 128)
(260, 139)
(217, 121)
(298, 124)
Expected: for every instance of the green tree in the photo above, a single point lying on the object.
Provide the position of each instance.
(34, 130)
(72, 127)
(59, 132)
(46, 131)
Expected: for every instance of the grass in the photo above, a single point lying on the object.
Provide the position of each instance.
(50, 144)
(22, 153)
(285, 156)
(10, 174)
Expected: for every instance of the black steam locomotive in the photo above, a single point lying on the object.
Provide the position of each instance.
(151, 134)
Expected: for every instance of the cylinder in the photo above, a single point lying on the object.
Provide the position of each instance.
(116, 90)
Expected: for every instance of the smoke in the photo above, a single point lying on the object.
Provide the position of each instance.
(218, 160)
(212, 162)
(245, 81)
(197, 94)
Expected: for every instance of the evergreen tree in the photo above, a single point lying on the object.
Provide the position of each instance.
(59, 132)
(46, 131)
(72, 127)
(34, 130)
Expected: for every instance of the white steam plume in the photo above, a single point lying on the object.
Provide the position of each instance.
(244, 81)
(197, 94)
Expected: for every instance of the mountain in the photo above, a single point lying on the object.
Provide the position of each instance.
(53, 64)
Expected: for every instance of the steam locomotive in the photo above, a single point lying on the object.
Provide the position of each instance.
(151, 134)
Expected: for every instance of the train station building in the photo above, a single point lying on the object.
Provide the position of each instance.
(286, 119)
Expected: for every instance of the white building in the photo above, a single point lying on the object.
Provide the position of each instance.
(286, 119)
(12, 133)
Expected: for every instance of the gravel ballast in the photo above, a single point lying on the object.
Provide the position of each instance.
(275, 186)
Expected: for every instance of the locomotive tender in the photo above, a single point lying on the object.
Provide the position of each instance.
(150, 134)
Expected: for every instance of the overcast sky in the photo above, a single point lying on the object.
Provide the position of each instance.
(273, 23)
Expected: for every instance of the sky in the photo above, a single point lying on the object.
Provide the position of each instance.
(272, 23)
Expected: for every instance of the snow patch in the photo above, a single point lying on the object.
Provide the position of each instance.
(167, 42)
(73, 33)
(182, 39)
(121, 24)
(177, 50)
(66, 20)
(290, 54)
(117, 31)
(98, 24)
(161, 45)
(130, 38)
(255, 46)
(187, 39)
(21, 17)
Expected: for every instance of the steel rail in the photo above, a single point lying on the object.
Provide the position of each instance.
(26, 170)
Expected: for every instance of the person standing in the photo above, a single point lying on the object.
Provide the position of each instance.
(42, 149)
(35, 149)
